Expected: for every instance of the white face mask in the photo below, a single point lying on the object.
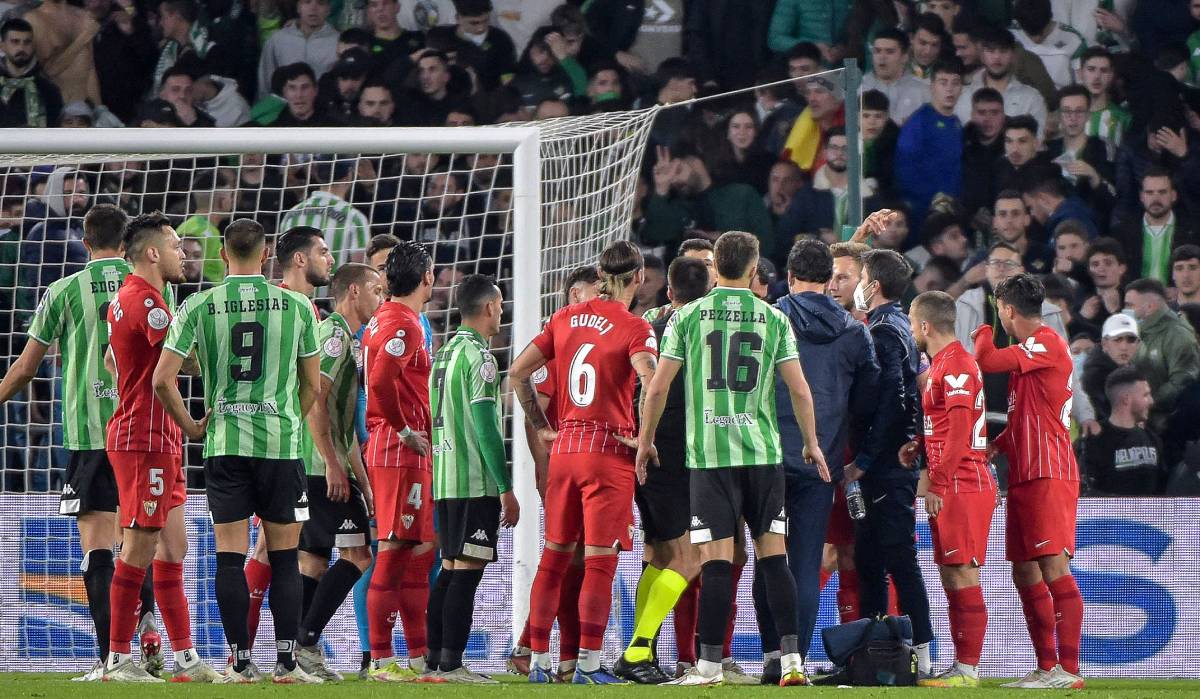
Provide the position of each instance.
(476, 39)
(861, 300)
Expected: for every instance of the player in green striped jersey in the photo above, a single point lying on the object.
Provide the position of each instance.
(472, 486)
(347, 230)
(732, 345)
(74, 313)
(339, 492)
(698, 248)
(257, 349)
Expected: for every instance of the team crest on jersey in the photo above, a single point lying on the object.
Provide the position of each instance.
(406, 520)
(333, 346)
(150, 506)
(487, 371)
(395, 347)
(539, 377)
(157, 318)
(652, 343)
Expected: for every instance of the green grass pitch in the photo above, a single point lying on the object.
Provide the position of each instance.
(16, 684)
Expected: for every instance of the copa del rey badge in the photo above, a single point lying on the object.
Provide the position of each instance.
(149, 506)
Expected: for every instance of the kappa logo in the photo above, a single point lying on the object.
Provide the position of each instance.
(68, 490)
(697, 522)
(150, 506)
(957, 384)
(347, 525)
(479, 535)
(407, 521)
(303, 498)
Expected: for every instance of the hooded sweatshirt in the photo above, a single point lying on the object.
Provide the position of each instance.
(839, 363)
(53, 248)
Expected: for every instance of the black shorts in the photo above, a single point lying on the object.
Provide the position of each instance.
(91, 485)
(721, 495)
(468, 527)
(334, 525)
(240, 486)
(663, 500)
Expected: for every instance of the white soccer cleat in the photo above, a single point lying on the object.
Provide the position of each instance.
(693, 678)
(1061, 679)
(128, 671)
(464, 675)
(249, 675)
(92, 675)
(312, 661)
(296, 675)
(1036, 679)
(199, 673)
(734, 674)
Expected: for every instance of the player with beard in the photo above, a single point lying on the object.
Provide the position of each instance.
(145, 448)
(306, 261)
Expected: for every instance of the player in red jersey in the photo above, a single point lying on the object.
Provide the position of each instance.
(583, 284)
(396, 368)
(599, 346)
(962, 494)
(1043, 478)
(145, 447)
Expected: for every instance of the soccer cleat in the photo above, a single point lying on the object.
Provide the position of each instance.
(430, 676)
(794, 678)
(600, 676)
(734, 674)
(681, 668)
(954, 677)
(128, 671)
(566, 670)
(642, 672)
(464, 675)
(1061, 679)
(1036, 679)
(518, 661)
(249, 675)
(772, 672)
(296, 675)
(200, 673)
(391, 672)
(542, 675)
(152, 655)
(312, 661)
(693, 678)
(92, 675)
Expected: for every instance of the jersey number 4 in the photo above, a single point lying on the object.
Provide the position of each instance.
(735, 369)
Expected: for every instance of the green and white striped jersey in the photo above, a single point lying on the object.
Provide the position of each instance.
(248, 336)
(339, 366)
(464, 373)
(74, 312)
(730, 342)
(655, 313)
(347, 230)
(1109, 125)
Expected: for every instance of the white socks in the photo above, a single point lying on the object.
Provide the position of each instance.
(708, 668)
(589, 660)
(924, 660)
(968, 670)
(791, 661)
(541, 660)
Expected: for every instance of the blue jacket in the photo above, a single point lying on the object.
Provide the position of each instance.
(838, 358)
(1073, 208)
(897, 401)
(929, 155)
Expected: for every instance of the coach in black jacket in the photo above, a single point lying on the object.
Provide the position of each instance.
(839, 363)
(885, 542)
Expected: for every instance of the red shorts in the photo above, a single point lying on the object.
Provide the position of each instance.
(592, 492)
(1041, 519)
(960, 531)
(149, 486)
(403, 503)
(840, 531)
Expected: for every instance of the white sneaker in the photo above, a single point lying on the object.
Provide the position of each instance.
(312, 661)
(250, 675)
(199, 672)
(296, 675)
(128, 671)
(734, 674)
(1061, 679)
(92, 675)
(693, 678)
(464, 675)
(1036, 679)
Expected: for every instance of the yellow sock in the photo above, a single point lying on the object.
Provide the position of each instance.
(649, 575)
(660, 600)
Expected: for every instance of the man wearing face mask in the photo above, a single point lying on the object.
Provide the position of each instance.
(885, 541)
(488, 50)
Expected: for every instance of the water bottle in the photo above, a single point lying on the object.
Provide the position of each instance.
(855, 502)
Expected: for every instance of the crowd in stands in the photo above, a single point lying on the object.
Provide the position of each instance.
(1057, 137)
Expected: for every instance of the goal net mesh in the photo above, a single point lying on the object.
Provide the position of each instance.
(459, 204)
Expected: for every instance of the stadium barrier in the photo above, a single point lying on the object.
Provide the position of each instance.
(1136, 567)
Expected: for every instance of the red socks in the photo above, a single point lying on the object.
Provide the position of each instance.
(173, 603)
(847, 595)
(1039, 619)
(258, 579)
(544, 598)
(123, 599)
(383, 600)
(595, 600)
(1068, 620)
(685, 623)
(968, 623)
(414, 601)
(727, 651)
(568, 613)
(523, 641)
(893, 598)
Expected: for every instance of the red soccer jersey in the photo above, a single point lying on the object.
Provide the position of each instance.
(1037, 439)
(545, 380)
(396, 366)
(138, 319)
(592, 343)
(955, 431)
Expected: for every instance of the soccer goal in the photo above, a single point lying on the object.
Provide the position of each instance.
(524, 202)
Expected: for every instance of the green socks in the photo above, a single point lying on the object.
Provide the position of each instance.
(649, 575)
